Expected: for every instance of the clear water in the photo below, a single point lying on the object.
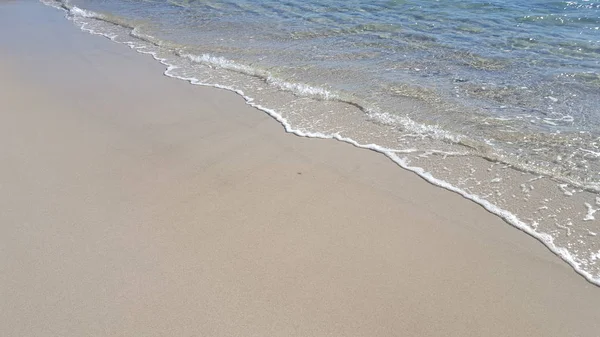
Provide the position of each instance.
(498, 101)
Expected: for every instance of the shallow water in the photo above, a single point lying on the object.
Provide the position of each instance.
(499, 102)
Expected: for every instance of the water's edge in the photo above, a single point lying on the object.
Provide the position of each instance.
(395, 156)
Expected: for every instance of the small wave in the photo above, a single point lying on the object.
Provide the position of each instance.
(223, 63)
(77, 12)
(302, 89)
(299, 89)
(432, 131)
(84, 13)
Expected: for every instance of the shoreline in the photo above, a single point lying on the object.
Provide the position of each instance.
(209, 219)
(566, 203)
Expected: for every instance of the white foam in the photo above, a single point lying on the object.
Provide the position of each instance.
(507, 216)
(566, 227)
(590, 212)
(534, 179)
(84, 13)
(223, 63)
(564, 118)
(302, 89)
(410, 125)
(563, 188)
(590, 153)
(51, 3)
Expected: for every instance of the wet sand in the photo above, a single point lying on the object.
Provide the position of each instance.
(132, 204)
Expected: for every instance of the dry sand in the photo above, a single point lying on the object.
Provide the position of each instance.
(132, 204)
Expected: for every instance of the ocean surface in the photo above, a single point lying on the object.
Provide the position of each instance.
(498, 101)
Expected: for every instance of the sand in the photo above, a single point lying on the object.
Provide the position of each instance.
(132, 204)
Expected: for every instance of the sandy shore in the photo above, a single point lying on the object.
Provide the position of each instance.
(132, 204)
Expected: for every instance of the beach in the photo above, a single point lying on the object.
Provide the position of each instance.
(134, 204)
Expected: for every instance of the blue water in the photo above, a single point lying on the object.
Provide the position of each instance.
(532, 65)
(497, 100)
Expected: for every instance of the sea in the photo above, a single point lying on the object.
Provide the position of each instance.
(498, 101)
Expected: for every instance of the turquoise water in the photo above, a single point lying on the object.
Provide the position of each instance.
(497, 100)
(516, 75)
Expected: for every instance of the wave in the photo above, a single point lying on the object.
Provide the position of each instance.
(74, 13)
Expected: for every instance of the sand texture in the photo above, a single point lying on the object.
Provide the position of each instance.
(132, 204)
